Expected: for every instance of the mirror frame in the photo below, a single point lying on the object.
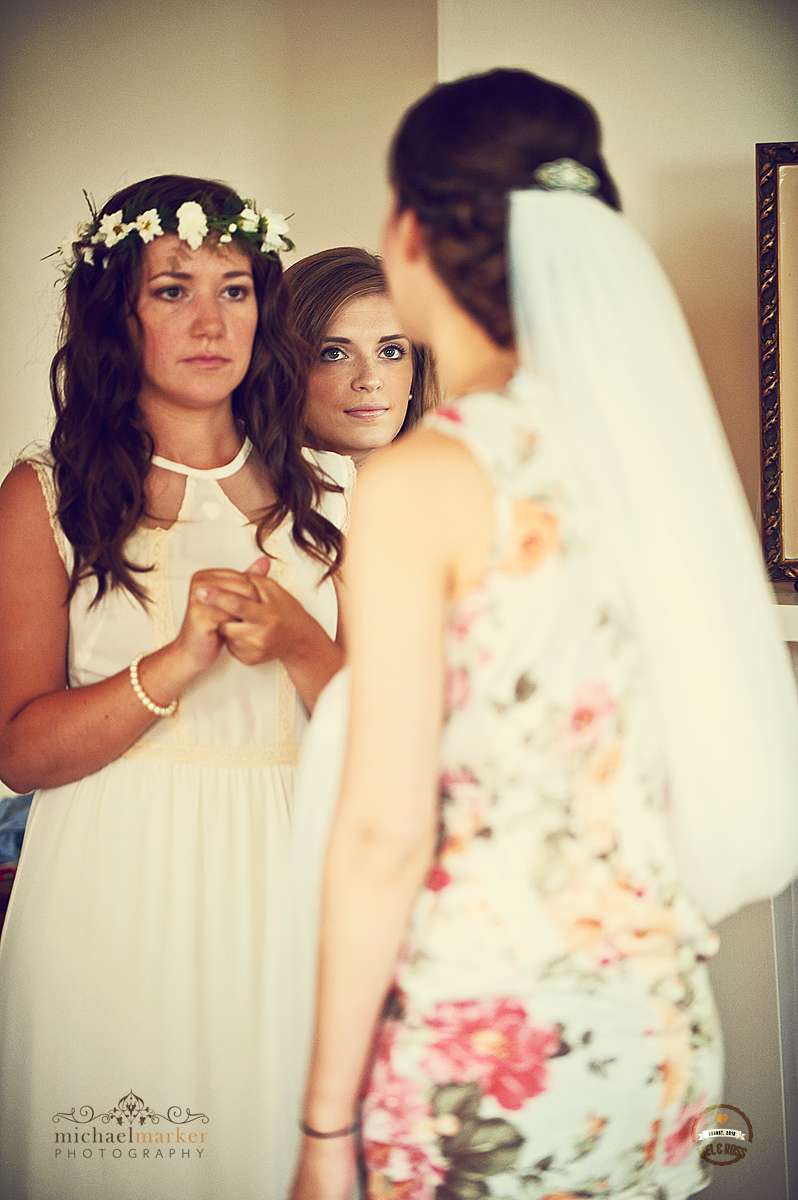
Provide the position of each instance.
(778, 388)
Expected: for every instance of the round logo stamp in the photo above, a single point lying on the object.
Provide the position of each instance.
(722, 1134)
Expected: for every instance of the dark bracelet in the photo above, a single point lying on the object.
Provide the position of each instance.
(335, 1133)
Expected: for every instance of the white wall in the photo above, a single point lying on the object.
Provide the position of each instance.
(685, 89)
(291, 101)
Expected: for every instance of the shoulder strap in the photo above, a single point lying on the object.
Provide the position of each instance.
(44, 472)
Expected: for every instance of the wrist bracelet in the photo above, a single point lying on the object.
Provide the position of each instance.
(147, 701)
(335, 1133)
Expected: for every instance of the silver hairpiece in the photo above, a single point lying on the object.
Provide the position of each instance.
(567, 175)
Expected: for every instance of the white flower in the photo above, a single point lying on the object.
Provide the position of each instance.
(149, 225)
(232, 227)
(112, 229)
(277, 227)
(398, 1168)
(249, 220)
(87, 254)
(191, 224)
(226, 237)
(66, 248)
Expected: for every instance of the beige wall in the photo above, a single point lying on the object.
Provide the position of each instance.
(292, 101)
(685, 89)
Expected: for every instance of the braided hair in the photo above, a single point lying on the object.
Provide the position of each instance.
(457, 154)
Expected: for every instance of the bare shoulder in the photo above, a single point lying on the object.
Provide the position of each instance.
(26, 536)
(423, 455)
(21, 492)
(432, 473)
(430, 488)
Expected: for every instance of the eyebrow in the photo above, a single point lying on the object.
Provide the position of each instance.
(188, 275)
(391, 337)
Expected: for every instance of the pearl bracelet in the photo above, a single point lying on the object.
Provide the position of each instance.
(147, 701)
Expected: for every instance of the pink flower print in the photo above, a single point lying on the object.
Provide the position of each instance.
(437, 878)
(610, 918)
(466, 813)
(392, 1104)
(593, 705)
(464, 616)
(535, 535)
(450, 779)
(402, 1172)
(593, 802)
(460, 625)
(457, 688)
(491, 1042)
(450, 414)
(651, 1145)
(399, 1136)
(680, 1139)
(675, 1045)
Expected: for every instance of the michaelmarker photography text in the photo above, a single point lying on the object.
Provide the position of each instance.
(144, 1143)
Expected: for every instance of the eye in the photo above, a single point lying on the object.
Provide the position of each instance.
(394, 351)
(236, 291)
(332, 354)
(173, 292)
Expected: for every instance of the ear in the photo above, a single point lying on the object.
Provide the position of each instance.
(410, 236)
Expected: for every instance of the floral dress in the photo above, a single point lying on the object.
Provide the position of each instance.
(551, 1033)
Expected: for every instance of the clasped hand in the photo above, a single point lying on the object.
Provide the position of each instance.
(256, 618)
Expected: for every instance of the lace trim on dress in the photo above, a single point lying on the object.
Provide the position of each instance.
(161, 612)
(44, 474)
(210, 472)
(193, 754)
(349, 491)
(286, 704)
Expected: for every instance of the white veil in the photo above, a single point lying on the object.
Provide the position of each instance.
(597, 320)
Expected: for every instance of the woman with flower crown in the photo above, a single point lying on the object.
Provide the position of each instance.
(168, 619)
(588, 753)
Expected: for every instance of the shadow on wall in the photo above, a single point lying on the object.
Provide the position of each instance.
(706, 241)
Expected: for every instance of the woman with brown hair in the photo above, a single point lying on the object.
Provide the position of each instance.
(367, 382)
(137, 985)
(587, 751)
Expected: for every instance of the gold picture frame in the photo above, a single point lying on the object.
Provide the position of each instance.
(777, 190)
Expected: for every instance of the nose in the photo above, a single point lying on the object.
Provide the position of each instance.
(208, 317)
(366, 377)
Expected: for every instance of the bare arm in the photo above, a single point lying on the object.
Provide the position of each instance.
(49, 734)
(421, 530)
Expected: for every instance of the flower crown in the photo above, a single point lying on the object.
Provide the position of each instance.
(89, 242)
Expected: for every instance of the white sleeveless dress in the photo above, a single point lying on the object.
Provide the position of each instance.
(137, 980)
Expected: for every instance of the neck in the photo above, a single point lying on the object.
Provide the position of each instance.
(468, 359)
(203, 440)
(359, 457)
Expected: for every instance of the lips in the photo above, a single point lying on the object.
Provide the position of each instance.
(367, 412)
(207, 362)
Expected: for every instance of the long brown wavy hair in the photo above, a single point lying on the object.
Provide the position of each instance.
(321, 283)
(461, 149)
(100, 445)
